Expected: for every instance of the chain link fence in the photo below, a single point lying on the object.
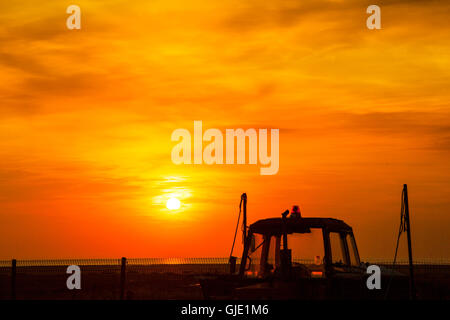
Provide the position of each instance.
(141, 278)
(159, 265)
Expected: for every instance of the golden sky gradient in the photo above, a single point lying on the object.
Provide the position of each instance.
(86, 118)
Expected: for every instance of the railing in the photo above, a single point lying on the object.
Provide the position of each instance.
(144, 262)
(421, 261)
(123, 268)
(126, 270)
(116, 262)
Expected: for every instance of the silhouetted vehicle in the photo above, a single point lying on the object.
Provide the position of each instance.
(302, 258)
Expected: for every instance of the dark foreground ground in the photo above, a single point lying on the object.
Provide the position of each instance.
(161, 282)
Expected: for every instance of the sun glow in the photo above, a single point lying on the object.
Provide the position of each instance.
(173, 204)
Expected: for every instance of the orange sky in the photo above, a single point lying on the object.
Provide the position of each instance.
(86, 118)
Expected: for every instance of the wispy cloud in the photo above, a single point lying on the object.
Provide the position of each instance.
(86, 116)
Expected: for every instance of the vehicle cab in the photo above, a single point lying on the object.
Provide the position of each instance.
(296, 247)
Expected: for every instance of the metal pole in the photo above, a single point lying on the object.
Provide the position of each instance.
(13, 279)
(123, 277)
(244, 221)
(232, 264)
(412, 288)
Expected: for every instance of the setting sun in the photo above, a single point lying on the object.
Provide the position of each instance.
(173, 204)
(87, 117)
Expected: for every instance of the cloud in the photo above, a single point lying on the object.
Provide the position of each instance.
(86, 116)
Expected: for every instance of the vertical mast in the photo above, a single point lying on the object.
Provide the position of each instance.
(244, 220)
(412, 289)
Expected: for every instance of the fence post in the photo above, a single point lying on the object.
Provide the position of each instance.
(13, 279)
(123, 278)
(232, 264)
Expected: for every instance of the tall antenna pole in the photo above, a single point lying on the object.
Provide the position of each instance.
(244, 221)
(232, 260)
(412, 288)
